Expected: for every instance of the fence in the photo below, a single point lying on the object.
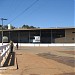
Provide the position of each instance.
(4, 52)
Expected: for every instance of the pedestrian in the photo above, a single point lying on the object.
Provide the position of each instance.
(17, 45)
(11, 46)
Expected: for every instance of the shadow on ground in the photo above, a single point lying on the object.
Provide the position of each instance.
(10, 60)
(61, 59)
(73, 73)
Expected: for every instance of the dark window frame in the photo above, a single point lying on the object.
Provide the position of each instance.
(73, 32)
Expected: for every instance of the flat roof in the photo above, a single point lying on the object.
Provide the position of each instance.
(16, 29)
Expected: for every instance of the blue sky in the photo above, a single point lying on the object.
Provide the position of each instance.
(44, 14)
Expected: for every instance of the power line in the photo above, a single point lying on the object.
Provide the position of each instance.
(24, 10)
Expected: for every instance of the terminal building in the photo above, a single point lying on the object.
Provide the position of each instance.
(39, 35)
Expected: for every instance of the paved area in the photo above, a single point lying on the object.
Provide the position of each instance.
(43, 61)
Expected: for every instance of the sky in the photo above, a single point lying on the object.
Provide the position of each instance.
(38, 13)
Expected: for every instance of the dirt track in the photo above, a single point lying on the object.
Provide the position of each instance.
(30, 63)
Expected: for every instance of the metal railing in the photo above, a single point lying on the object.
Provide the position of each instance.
(4, 52)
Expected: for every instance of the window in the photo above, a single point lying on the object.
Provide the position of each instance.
(73, 32)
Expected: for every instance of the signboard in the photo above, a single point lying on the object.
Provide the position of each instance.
(37, 39)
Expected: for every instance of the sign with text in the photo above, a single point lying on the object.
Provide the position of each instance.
(37, 39)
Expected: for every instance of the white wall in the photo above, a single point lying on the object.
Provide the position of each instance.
(43, 45)
(3, 44)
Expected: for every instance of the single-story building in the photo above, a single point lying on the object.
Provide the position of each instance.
(39, 35)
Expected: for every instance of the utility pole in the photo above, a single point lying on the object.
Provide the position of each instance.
(2, 28)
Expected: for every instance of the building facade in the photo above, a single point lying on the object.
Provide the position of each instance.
(49, 35)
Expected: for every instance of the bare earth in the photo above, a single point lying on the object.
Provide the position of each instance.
(43, 61)
(69, 52)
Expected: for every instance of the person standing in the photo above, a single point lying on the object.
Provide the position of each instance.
(11, 46)
(17, 45)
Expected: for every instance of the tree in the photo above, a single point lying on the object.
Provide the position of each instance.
(0, 25)
(27, 26)
(12, 27)
(32, 27)
(5, 27)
